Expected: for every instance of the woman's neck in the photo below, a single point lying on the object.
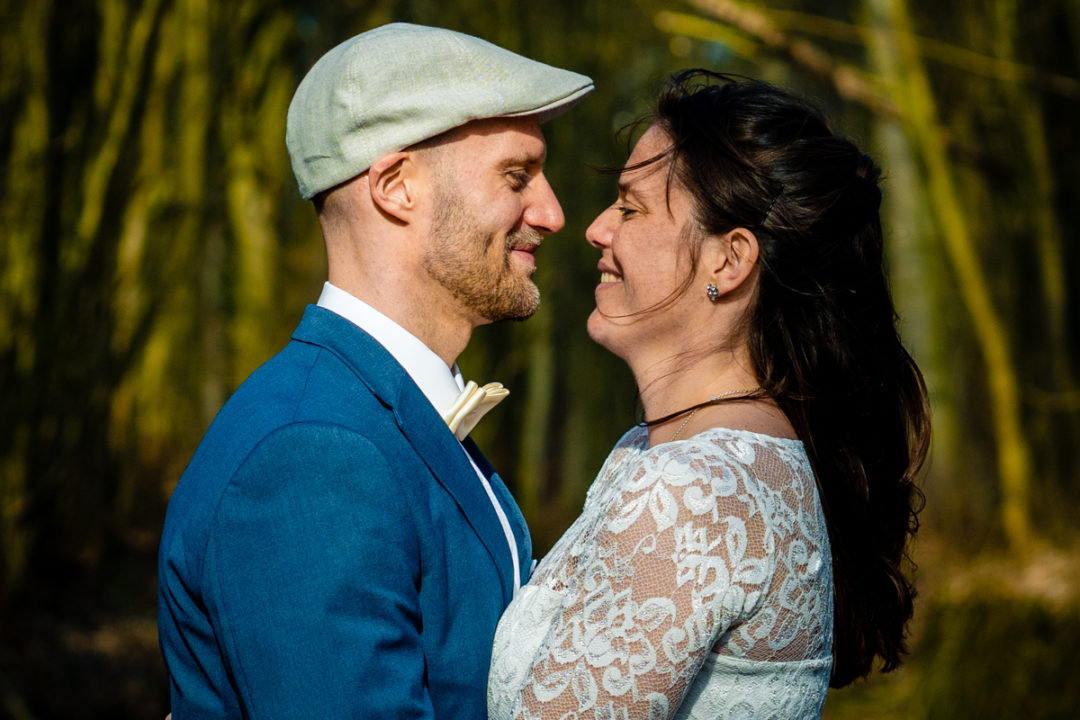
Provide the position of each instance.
(679, 382)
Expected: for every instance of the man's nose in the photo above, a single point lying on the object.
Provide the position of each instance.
(544, 212)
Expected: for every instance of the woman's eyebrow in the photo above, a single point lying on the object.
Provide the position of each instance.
(627, 189)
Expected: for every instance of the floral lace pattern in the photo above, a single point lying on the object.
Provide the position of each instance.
(697, 582)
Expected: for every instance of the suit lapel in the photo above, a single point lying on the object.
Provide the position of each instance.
(513, 513)
(442, 453)
(422, 426)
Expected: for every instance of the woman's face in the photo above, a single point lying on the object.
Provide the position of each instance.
(644, 239)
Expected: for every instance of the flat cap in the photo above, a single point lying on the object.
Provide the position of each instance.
(394, 86)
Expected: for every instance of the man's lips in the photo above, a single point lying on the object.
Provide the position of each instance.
(524, 252)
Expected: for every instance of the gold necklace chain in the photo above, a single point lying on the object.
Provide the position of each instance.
(714, 398)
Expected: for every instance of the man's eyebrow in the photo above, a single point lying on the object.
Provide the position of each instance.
(524, 159)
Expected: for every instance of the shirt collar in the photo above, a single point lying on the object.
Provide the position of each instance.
(439, 383)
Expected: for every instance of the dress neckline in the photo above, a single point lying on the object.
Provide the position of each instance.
(717, 430)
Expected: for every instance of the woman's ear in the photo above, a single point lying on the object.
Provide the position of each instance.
(732, 259)
(392, 185)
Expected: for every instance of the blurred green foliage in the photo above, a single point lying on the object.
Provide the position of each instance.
(154, 251)
(1000, 657)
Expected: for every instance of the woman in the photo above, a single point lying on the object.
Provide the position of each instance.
(742, 548)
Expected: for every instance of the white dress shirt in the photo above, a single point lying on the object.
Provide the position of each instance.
(440, 384)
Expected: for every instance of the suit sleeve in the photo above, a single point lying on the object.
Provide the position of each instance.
(314, 565)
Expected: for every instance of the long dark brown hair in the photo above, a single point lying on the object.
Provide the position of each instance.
(822, 331)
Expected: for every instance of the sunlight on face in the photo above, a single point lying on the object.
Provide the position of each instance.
(493, 206)
(644, 239)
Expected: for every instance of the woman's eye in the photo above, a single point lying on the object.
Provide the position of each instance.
(625, 211)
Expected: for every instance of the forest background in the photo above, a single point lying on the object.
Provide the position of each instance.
(154, 251)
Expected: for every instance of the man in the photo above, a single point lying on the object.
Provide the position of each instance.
(333, 549)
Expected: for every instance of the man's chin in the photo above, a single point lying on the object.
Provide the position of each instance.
(517, 314)
(517, 309)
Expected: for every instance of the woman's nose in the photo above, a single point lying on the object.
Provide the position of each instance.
(599, 232)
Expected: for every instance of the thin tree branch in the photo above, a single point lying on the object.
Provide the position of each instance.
(850, 81)
(945, 53)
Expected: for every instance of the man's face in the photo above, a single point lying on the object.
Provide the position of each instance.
(493, 206)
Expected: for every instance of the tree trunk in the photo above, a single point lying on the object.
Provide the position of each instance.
(912, 88)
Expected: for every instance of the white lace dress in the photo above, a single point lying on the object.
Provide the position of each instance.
(697, 583)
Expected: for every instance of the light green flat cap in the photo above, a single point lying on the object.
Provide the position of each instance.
(391, 87)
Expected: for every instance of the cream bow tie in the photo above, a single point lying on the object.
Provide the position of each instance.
(471, 405)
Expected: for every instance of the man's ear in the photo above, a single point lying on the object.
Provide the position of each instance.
(392, 183)
(731, 259)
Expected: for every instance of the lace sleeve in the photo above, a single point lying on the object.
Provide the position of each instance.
(679, 551)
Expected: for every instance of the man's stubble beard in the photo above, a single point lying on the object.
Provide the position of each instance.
(457, 259)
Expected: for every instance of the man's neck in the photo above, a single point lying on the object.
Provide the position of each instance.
(443, 332)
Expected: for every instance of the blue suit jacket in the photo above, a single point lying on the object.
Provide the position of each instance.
(329, 551)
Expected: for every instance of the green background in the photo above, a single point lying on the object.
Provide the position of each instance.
(154, 251)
